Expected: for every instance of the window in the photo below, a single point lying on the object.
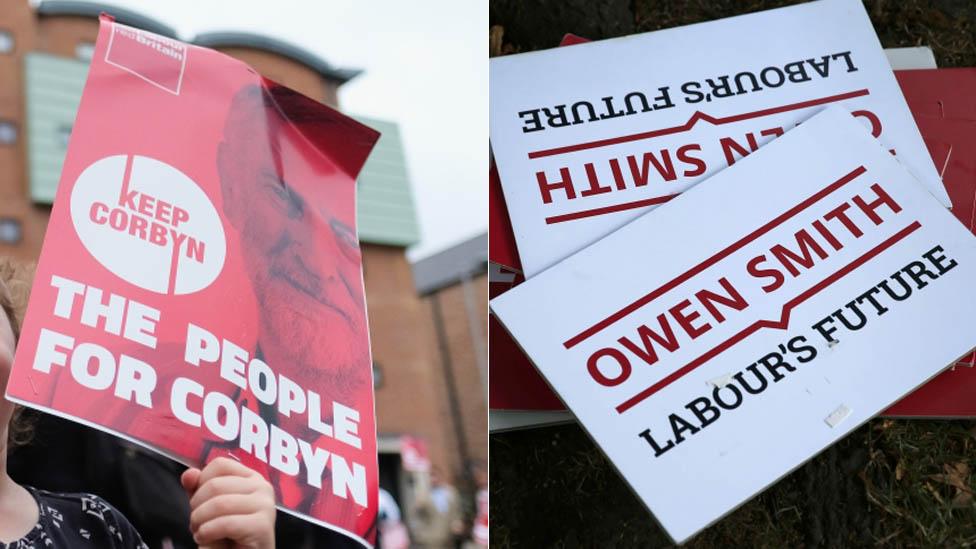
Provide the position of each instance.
(10, 231)
(64, 134)
(8, 132)
(85, 51)
(6, 41)
(377, 376)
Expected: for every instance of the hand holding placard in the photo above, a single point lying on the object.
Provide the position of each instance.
(95, 367)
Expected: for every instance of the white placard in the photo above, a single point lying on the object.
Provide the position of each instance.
(717, 343)
(588, 137)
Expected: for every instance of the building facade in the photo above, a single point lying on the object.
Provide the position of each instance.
(454, 287)
(44, 55)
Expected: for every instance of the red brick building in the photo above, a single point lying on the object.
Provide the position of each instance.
(454, 286)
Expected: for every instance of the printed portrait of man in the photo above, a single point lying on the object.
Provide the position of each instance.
(298, 241)
(293, 207)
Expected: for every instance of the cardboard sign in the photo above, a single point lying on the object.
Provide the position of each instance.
(200, 289)
(588, 137)
(714, 345)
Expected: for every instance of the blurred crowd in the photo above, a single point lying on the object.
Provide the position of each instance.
(438, 516)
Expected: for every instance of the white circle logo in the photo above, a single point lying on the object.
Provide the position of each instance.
(148, 223)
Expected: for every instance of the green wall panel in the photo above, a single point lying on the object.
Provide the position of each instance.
(385, 208)
(53, 90)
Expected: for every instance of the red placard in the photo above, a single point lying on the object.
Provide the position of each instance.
(945, 111)
(200, 286)
(515, 385)
(413, 453)
(501, 240)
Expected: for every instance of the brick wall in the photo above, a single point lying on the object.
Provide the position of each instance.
(18, 19)
(412, 396)
(463, 309)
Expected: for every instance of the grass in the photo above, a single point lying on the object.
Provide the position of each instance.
(891, 483)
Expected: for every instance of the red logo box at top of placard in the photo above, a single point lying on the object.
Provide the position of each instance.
(156, 59)
(200, 287)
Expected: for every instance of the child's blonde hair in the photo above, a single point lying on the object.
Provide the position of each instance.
(15, 284)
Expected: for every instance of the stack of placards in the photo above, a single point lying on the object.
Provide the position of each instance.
(519, 398)
(736, 245)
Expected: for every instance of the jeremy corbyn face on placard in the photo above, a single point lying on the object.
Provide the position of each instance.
(298, 238)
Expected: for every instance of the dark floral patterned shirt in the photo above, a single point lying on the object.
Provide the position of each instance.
(69, 521)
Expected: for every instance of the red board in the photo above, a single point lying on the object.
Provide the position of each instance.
(501, 239)
(515, 383)
(943, 102)
(200, 286)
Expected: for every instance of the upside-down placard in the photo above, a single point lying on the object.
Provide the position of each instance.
(586, 138)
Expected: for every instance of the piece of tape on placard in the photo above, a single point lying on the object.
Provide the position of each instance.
(721, 381)
(837, 415)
